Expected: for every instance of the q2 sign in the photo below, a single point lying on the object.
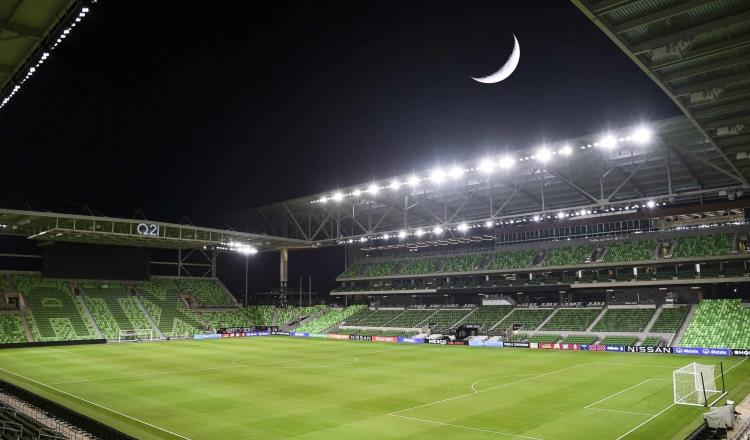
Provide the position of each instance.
(147, 229)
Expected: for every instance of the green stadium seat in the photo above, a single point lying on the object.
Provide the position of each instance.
(11, 329)
(487, 316)
(572, 319)
(206, 291)
(419, 266)
(579, 339)
(719, 323)
(567, 256)
(511, 260)
(652, 341)
(635, 250)
(329, 319)
(160, 297)
(619, 340)
(462, 263)
(624, 320)
(703, 246)
(546, 339)
(411, 318)
(528, 319)
(670, 320)
(113, 309)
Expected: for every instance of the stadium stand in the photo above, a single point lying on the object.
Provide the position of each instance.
(11, 330)
(550, 339)
(619, 340)
(108, 307)
(528, 319)
(259, 315)
(54, 314)
(418, 266)
(161, 299)
(567, 256)
(445, 319)
(651, 341)
(352, 271)
(487, 316)
(519, 337)
(703, 246)
(291, 313)
(636, 250)
(378, 318)
(572, 319)
(329, 319)
(719, 323)
(579, 339)
(355, 318)
(670, 320)
(411, 318)
(462, 263)
(511, 260)
(362, 332)
(226, 318)
(624, 320)
(206, 291)
(384, 268)
(18, 426)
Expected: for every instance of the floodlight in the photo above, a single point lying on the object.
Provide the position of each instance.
(456, 172)
(566, 150)
(323, 199)
(373, 189)
(536, 218)
(641, 135)
(356, 192)
(608, 141)
(362, 239)
(462, 227)
(650, 204)
(419, 232)
(486, 165)
(413, 181)
(437, 230)
(386, 236)
(543, 154)
(561, 215)
(488, 224)
(395, 184)
(437, 175)
(506, 162)
(402, 234)
(337, 196)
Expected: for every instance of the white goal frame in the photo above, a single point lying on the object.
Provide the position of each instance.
(698, 385)
(138, 335)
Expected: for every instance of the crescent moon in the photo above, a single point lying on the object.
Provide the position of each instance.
(507, 69)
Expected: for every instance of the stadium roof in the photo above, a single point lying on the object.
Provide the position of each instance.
(29, 31)
(698, 52)
(629, 168)
(50, 227)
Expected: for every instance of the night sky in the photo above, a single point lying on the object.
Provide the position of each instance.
(204, 108)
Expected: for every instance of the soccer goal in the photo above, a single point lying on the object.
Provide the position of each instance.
(698, 384)
(136, 335)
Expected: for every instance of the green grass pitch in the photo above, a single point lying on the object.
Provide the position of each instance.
(281, 388)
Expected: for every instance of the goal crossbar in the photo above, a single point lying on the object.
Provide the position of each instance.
(698, 384)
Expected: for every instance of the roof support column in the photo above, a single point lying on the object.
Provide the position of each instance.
(283, 274)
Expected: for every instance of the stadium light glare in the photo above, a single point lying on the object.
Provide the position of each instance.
(395, 185)
(641, 135)
(373, 189)
(437, 230)
(608, 141)
(323, 199)
(362, 239)
(337, 196)
(456, 172)
(437, 175)
(419, 232)
(506, 162)
(561, 215)
(386, 236)
(486, 165)
(543, 154)
(462, 227)
(413, 181)
(650, 204)
(357, 192)
(489, 224)
(566, 150)
(402, 234)
(536, 218)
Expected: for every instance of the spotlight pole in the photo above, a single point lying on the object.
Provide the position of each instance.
(246, 258)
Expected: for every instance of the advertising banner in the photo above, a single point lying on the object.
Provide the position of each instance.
(317, 335)
(741, 352)
(299, 335)
(475, 343)
(437, 341)
(700, 351)
(337, 336)
(360, 338)
(410, 340)
(457, 342)
(617, 348)
(517, 344)
(211, 336)
(663, 350)
(280, 333)
(593, 347)
(384, 338)
(547, 346)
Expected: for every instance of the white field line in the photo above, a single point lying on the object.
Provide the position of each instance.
(96, 404)
(670, 406)
(617, 394)
(467, 427)
(474, 384)
(621, 411)
(484, 390)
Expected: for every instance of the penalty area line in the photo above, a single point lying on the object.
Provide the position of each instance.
(490, 431)
(95, 404)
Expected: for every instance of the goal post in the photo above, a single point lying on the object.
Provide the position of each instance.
(698, 384)
(136, 335)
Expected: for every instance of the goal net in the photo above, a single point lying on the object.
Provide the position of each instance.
(698, 384)
(136, 335)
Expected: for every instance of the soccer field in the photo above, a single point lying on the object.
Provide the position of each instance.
(279, 387)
